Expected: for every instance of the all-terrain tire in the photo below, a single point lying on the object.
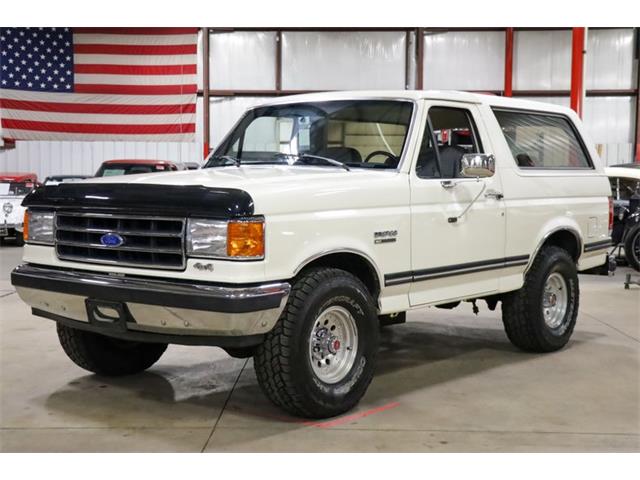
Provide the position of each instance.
(283, 361)
(632, 247)
(522, 311)
(108, 356)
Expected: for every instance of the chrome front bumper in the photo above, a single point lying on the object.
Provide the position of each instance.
(146, 309)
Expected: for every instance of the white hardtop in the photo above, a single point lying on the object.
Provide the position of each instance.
(415, 95)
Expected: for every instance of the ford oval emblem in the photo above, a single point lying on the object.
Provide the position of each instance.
(111, 240)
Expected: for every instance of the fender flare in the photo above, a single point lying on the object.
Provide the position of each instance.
(545, 237)
(324, 253)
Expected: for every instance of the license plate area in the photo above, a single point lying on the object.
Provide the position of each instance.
(108, 315)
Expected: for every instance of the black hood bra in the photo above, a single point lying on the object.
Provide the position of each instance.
(149, 199)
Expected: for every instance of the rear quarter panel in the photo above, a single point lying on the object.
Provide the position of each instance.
(539, 202)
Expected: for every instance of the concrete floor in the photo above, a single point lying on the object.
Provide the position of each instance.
(447, 381)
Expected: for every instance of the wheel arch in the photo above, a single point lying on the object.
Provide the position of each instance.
(564, 236)
(355, 262)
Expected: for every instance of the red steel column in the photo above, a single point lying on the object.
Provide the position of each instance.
(577, 69)
(508, 63)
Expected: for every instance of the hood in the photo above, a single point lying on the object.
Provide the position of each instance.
(273, 188)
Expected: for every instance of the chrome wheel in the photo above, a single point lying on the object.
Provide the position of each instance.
(333, 344)
(555, 300)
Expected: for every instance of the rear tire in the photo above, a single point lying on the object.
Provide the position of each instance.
(319, 359)
(541, 316)
(632, 247)
(108, 356)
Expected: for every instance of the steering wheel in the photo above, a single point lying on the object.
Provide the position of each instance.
(380, 152)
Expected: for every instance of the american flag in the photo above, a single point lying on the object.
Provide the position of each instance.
(136, 84)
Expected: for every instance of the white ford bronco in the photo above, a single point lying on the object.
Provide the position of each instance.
(318, 219)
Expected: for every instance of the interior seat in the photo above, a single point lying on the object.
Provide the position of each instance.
(342, 154)
(450, 160)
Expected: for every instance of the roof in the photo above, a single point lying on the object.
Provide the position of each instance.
(138, 161)
(623, 172)
(18, 177)
(414, 95)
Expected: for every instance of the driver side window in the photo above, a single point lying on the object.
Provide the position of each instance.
(450, 134)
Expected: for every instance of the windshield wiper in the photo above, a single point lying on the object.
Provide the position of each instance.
(332, 161)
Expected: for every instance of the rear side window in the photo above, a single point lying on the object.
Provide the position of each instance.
(539, 140)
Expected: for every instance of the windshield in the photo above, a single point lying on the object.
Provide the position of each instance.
(15, 188)
(129, 169)
(355, 133)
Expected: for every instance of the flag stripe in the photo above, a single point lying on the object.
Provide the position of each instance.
(78, 98)
(135, 49)
(88, 137)
(98, 128)
(110, 39)
(137, 89)
(166, 80)
(136, 69)
(107, 119)
(94, 59)
(97, 108)
(138, 30)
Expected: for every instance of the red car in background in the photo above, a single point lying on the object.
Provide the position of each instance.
(134, 166)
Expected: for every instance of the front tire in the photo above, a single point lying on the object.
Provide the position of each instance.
(319, 359)
(541, 316)
(632, 247)
(108, 356)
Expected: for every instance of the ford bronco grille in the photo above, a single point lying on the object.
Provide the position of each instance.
(148, 242)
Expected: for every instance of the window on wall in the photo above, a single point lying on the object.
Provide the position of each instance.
(539, 140)
(449, 135)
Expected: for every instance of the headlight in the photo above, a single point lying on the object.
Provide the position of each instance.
(234, 239)
(7, 208)
(38, 227)
(206, 238)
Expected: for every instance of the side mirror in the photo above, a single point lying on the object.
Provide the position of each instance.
(477, 165)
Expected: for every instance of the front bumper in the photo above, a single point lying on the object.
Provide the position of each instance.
(150, 309)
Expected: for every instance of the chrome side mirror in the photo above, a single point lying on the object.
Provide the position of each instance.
(477, 165)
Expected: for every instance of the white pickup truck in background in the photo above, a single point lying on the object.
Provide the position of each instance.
(13, 188)
(318, 219)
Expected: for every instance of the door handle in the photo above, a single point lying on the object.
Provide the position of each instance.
(494, 194)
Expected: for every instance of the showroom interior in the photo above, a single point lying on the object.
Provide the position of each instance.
(447, 380)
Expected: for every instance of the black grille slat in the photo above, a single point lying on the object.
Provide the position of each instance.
(148, 242)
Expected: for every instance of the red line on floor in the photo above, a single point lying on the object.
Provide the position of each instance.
(351, 418)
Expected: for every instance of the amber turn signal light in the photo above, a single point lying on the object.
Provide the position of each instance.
(245, 239)
(25, 225)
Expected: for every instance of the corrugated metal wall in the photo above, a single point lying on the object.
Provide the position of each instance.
(464, 60)
(368, 60)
